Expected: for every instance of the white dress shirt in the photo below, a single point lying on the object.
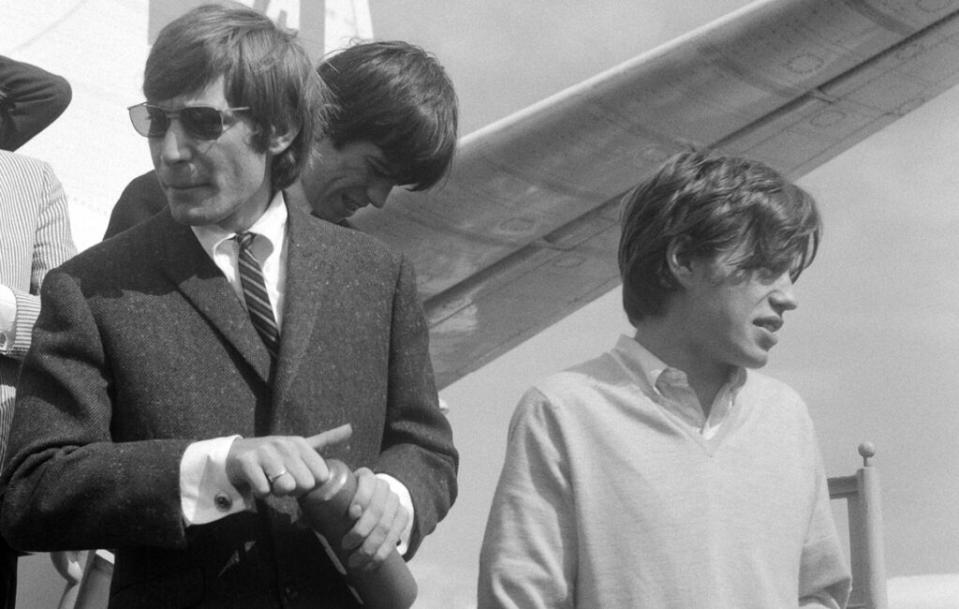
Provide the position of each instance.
(206, 493)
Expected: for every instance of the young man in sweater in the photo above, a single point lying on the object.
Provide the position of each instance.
(667, 472)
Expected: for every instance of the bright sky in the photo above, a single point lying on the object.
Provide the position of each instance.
(873, 347)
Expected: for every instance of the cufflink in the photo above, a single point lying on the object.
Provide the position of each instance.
(223, 502)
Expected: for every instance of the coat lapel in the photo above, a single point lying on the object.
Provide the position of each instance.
(185, 263)
(308, 273)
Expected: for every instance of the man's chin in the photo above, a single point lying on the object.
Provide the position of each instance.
(756, 360)
(190, 215)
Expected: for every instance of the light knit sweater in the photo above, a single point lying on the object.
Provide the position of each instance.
(607, 501)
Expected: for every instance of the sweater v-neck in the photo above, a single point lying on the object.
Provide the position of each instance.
(648, 370)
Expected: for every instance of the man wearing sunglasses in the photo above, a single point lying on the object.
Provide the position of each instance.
(189, 377)
(394, 122)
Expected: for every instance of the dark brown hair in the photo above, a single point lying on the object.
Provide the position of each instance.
(263, 67)
(716, 205)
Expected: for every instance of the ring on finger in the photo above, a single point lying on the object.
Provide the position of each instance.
(276, 476)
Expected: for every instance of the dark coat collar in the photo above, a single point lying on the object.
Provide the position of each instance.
(183, 261)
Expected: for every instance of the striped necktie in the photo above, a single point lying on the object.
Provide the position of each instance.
(254, 291)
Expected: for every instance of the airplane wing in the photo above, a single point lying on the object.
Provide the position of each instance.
(323, 25)
(525, 230)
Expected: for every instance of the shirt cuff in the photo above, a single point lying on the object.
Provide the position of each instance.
(206, 494)
(444, 406)
(406, 502)
(8, 319)
(818, 600)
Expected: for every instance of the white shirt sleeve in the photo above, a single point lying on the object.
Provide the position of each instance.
(8, 319)
(819, 600)
(406, 502)
(206, 494)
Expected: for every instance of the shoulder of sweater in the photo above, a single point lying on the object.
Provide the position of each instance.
(774, 396)
(580, 383)
(762, 384)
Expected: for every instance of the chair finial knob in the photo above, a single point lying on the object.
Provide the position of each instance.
(867, 450)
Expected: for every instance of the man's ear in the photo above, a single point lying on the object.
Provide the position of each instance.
(679, 260)
(281, 141)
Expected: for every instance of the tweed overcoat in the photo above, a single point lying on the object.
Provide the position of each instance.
(141, 199)
(143, 347)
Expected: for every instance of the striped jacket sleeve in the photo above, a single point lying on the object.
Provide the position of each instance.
(37, 226)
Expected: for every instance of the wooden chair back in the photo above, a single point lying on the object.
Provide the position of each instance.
(866, 555)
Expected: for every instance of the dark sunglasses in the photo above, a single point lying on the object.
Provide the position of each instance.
(200, 122)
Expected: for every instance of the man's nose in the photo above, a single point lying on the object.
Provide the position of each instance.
(783, 295)
(175, 144)
(378, 191)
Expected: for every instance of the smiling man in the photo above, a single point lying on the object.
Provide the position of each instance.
(393, 123)
(188, 378)
(669, 473)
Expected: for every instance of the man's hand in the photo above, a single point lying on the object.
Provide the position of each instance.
(282, 465)
(380, 521)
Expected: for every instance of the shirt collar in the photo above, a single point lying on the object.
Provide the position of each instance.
(669, 387)
(271, 225)
(642, 361)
